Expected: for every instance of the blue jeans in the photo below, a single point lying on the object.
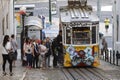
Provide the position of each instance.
(29, 59)
(48, 61)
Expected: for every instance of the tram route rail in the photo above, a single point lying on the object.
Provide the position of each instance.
(84, 74)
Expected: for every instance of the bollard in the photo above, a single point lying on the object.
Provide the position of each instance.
(114, 57)
(117, 57)
(106, 55)
(110, 55)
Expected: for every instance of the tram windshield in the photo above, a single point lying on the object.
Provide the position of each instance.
(78, 35)
(81, 35)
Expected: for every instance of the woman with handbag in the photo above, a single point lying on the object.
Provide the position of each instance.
(28, 50)
(7, 48)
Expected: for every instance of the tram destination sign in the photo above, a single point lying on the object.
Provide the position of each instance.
(80, 24)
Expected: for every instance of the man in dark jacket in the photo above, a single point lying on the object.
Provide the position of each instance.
(48, 45)
(60, 48)
(54, 52)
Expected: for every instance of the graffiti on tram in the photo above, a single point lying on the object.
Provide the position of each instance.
(80, 56)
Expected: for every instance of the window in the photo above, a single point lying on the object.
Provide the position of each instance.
(94, 34)
(81, 35)
(68, 35)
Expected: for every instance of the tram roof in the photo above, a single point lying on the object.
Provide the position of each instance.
(68, 14)
(33, 21)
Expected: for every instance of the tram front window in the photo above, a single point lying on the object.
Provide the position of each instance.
(81, 35)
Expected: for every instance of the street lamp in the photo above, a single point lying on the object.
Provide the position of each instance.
(98, 8)
(23, 13)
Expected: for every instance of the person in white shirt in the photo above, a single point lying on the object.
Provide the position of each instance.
(6, 49)
(43, 50)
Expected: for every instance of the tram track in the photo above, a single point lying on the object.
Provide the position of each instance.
(102, 73)
(67, 74)
(84, 74)
(76, 75)
(98, 74)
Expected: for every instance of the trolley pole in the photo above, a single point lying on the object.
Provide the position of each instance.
(50, 18)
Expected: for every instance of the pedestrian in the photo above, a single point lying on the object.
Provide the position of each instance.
(105, 48)
(54, 53)
(7, 48)
(39, 57)
(36, 54)
(48, 45)
(28, 50)
(15, 46)
(107, 21)
(43, 51)
(60, 48)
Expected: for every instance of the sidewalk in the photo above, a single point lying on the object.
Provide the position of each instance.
(18, 72)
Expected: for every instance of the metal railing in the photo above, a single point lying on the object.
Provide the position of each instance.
(111, 56)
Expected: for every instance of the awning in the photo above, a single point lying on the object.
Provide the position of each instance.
(33, 21)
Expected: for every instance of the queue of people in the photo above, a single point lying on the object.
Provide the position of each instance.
(36, 52)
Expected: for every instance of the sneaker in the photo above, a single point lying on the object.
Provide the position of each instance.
(4, 73)
(11, 73)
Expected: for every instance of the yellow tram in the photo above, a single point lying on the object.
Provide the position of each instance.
(80, 28)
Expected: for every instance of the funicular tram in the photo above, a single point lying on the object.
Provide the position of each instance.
(80, 29)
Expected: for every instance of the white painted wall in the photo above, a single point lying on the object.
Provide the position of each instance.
(116, 29)
(6, 11)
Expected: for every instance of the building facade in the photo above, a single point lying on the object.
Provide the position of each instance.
(116, 25)
(6, 18)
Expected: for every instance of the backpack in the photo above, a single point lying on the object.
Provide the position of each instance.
(36, 49)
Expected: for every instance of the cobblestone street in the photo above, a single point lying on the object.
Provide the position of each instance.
(105, 71)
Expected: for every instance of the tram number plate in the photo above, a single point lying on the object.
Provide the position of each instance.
(118, 56)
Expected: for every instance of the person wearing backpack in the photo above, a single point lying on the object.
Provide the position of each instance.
(36, 54)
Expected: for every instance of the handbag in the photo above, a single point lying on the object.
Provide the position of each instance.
(11, 55)
(24, 58)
